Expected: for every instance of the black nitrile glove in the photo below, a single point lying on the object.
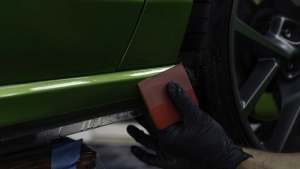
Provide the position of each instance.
(197, 137)
(159, 159)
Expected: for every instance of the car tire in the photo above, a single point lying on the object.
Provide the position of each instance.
(205, 55)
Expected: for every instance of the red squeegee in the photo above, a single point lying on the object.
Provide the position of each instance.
(161, 110)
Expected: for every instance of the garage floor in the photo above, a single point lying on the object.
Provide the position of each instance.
(113, 145)
(119, 157)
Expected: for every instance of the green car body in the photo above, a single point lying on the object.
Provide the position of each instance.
(62, 56)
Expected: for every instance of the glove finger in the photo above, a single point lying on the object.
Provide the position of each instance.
(144, 156)
(142, 138)
(144, 122)
(167, 157)
(182, 101)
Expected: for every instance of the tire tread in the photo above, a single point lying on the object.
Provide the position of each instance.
(205, 51)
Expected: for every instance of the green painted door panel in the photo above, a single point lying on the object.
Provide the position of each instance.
(31, 101)
(159, 34)
(50, 39)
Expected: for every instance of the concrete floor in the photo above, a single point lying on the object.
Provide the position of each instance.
(113, 145)
(112, 142)
(119, 157)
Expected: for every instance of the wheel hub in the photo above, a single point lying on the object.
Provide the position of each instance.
(285, 33)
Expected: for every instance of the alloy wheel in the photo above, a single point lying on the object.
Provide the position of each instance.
(265, 63)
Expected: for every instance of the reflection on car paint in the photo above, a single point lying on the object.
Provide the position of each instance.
(69, 95)
(59, 85)
(149, 72)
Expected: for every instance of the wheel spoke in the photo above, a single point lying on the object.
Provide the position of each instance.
(285, 133)
(256, 84)
(241, 27)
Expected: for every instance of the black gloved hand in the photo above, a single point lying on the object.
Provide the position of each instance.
(197, 137)
(159, 159)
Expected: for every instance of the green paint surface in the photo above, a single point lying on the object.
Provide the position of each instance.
(257, 2)
(25, 102)
(60, 56)
(51, 39)
(266, 109)
(159, 34)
